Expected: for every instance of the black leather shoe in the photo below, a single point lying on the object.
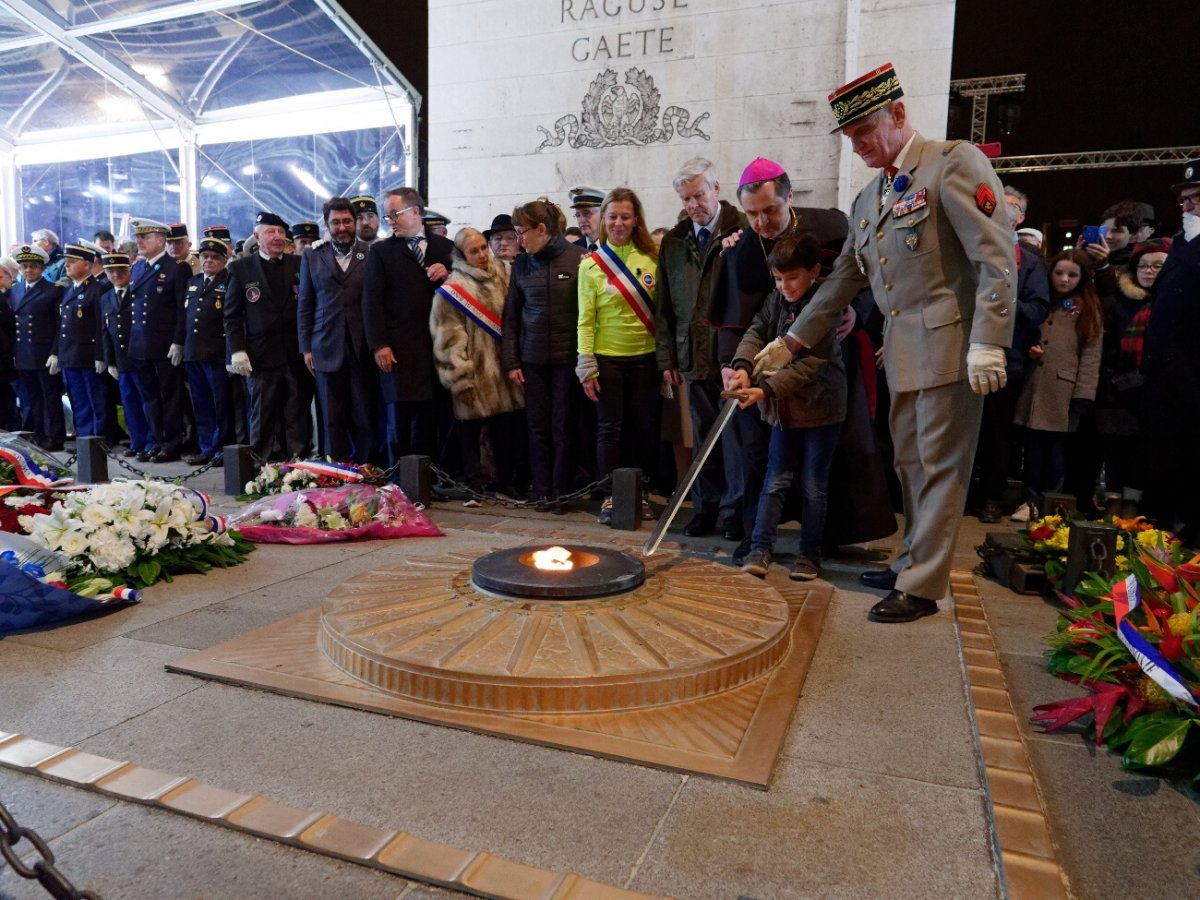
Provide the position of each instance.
(901, 607)
(732, 529)
(878, 578)
(198, 459)
(145, 456)
(989, 513)
(165, 456)
(702, 524)
(130, 452)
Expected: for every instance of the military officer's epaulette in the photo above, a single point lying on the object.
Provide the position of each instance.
(950, 145)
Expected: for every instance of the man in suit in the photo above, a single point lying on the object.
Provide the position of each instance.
(116, 311)
(204, 351)
(261, 335)
(686, 341)
(158, 285)
(79, 347)
(330, 324)
(35, 302)
(926, 237)
(402, 273)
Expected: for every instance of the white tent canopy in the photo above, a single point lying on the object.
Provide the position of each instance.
(201, 111)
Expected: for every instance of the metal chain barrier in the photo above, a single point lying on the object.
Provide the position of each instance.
(43, 869)
(445, 480)
(143, 475)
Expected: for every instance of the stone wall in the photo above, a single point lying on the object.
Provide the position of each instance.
(528, 98)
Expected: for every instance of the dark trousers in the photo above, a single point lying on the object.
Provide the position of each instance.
(10, 418)
(628, 408)
(161, 387)
(281, 398)
(412, 428)
(503, 434)
(995, 442)
(347, 403)
(745, 441)
(43, 414)
(141, 438)
(551, 392)
(1045, 461)
(89, 401)
(712, 492)
(1172, 496)
(209, 385)
(809, 452)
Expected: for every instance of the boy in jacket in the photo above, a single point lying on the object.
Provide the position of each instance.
(804, 403)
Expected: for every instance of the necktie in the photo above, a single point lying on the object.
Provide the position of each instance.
(702, 237)
(414, 244)
(206, 286)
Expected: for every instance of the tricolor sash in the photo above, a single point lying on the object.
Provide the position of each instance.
(28, 472)
(1126, 597)
(458, 297)
(340, 471)
(627, 285)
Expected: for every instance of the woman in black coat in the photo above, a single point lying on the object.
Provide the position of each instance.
(540, 318)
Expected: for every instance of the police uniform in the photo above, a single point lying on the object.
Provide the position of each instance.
(80, 348)
(585, 197)
(35, 307)
(260, 321)
(116, 312)
(158, 288)
(942, 270)
(204, 354)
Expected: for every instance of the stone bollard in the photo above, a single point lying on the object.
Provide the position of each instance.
(1059, 505)
(239, 468)
(627, 499)
(91, 460)
(1091, 547)
(414, 479)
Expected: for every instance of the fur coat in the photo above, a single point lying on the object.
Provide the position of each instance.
(467, 356)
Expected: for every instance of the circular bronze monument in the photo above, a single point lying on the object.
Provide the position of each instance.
(592, 572)
(428, 630)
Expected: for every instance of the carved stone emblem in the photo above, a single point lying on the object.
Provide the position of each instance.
(621, 114)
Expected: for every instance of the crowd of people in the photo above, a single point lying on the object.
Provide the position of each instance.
(531, 358)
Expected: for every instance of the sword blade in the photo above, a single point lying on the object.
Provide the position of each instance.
(689, 479)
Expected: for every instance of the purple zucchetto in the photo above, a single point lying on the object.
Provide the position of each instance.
(761, 170)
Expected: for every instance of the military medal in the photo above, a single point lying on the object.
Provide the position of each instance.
(912, 239)
(862, 223)
(79, 313)
(217, 305)
(859, 260)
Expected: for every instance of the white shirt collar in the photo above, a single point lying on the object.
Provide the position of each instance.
(151, 262)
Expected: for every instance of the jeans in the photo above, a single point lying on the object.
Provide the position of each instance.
(1045, 461)
(628, 408)
(811, 451)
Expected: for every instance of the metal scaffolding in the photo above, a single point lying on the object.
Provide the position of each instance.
(1095, 159)
(979, 90)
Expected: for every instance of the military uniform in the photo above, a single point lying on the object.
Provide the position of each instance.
(260, 321)
(80, 347)
(116, 311)
(35, 307)
(942, 271)
(158, 287)
(204, 353)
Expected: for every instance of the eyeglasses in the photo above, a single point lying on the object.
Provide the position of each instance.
(398, 213)
(1149, 267)
(1186, 200)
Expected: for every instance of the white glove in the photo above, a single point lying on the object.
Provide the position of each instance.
(175, 354)
(586, 368)
(770, 359)
(52, 365)
(100, 367)
(114, 373)
(239, 363)
(985, 368)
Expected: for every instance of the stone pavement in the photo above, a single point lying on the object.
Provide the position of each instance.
(877, 791)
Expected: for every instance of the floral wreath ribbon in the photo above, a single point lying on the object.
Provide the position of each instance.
(1126, 597)
(340, 471)
(28, 472)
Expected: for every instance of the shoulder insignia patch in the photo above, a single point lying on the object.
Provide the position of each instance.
(985, 199)
(949, 145)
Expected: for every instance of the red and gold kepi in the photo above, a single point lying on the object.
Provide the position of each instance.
(864, 95)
